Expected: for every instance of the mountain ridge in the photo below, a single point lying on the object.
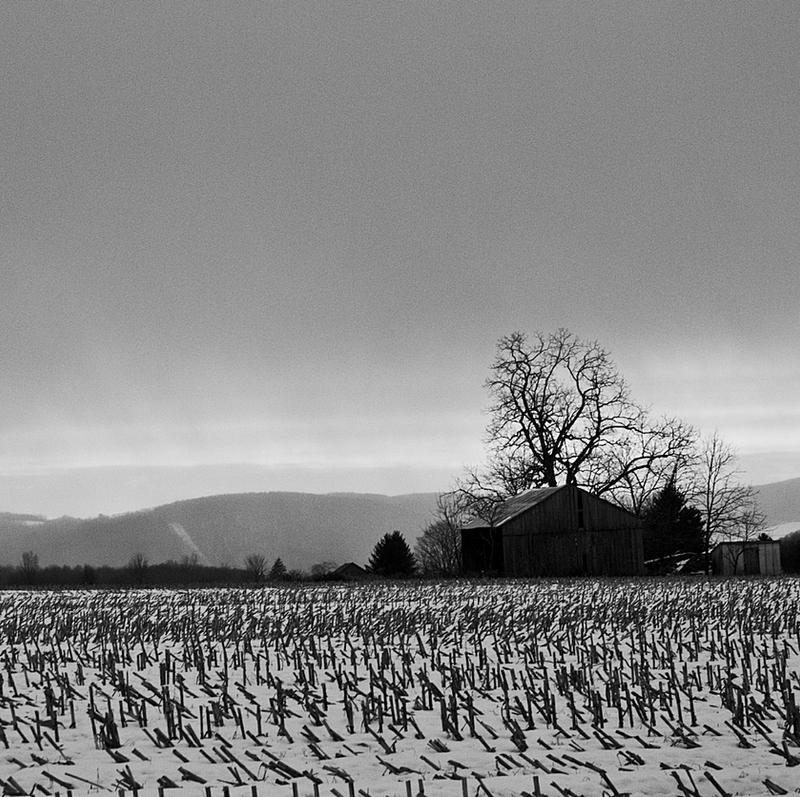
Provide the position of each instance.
(780, 501)
(299, 527)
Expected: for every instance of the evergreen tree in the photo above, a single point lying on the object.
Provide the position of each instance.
(392, 557)
(278, 571)
(670, 525)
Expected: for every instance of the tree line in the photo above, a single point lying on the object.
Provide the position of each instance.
(135, 573)
(391, 558)
(138, 572)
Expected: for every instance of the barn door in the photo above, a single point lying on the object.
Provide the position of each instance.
(751, 560)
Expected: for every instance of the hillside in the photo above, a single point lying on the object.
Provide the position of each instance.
(301, 528)
(780, 501)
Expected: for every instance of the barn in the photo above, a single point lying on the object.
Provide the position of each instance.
(554, 531)
(350, 571)
(747, 558)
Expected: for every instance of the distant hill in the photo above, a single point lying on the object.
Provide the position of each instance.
(301, 528)
(780, 501)
(782, 530)
(17, 518)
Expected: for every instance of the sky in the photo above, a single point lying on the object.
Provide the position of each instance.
(255, 246)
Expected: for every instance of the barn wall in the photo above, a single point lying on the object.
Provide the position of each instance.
(728, 559)
(721, 561)
(482, 551)
(599, 553)
(769, 557)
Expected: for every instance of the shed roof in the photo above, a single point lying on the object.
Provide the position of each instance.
(745, 543)
(514, 506)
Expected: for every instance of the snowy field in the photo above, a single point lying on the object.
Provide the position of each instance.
(584, 687)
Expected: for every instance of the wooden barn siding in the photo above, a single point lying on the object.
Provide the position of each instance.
(770, 559)
(599, 515)
(482, 551)
(612, 552)
(546, 540)
(720, 564)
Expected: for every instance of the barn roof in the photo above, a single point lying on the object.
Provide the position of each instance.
(514, 506)
(349, 567)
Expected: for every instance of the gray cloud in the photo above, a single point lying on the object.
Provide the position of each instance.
(301, 216)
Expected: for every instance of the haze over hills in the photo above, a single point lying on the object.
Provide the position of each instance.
(301, 528)
(780, 501)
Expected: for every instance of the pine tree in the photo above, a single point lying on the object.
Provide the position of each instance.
(670, 525)
(392, 557)
(278, 571)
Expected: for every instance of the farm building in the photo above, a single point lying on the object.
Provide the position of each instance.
(747, 558)
(350, 571)
(554, 531)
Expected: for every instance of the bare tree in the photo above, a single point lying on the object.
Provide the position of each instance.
(322, 569)
(725, 503)
(29, 566)
(638, 465)
(137, 567)
(481, 494)
(562, 413)
(438, 550)
(749, 529)
(255, 565)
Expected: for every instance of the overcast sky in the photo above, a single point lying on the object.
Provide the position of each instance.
(289, 236)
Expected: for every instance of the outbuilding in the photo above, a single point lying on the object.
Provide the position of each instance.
(747, 558)
(350, 571)
(554, 531)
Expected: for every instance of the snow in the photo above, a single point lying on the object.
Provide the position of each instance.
(647, 680)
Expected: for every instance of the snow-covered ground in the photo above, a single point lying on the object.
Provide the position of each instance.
(586, 687)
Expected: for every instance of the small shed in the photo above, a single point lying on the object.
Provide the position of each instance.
(747, 558)
(350, 571)
(554, 531)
